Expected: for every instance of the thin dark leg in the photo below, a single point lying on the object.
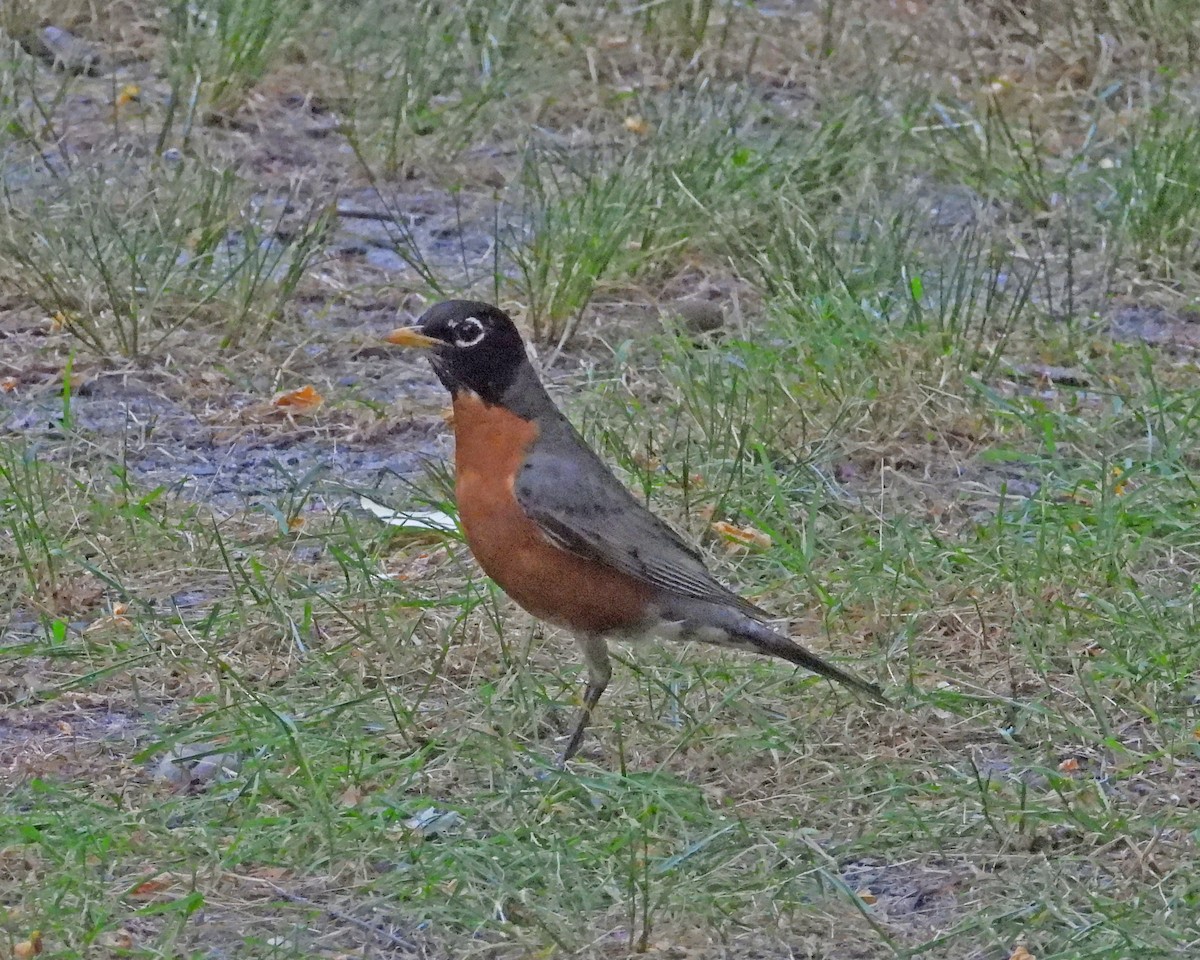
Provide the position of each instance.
(595, 652)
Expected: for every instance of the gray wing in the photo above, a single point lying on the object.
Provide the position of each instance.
(583, 508)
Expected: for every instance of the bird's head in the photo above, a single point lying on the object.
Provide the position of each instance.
(473, 346)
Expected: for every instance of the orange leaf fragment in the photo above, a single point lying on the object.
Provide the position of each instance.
(305, 399)
(8, 384)
(1020, 953)
(129, 93)
(150, 888)
(115, 619)
(743, 536)
(1070, 765)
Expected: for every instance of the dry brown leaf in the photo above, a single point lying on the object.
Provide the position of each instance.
(866, 896)
(28, 948)
(304, 399)
(269, 873)
(117, 939)
(351, 796)
(742, 536)
(8, 384)
(115, 619)
(1020, 953)
(1070, 765)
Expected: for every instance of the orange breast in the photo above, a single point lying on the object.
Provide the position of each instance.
(582, 595)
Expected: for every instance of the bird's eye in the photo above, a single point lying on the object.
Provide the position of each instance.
(468, 332)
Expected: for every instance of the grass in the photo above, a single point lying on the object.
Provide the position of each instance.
(955, 387)
(217, 50)
(422, 82)
(128, 260)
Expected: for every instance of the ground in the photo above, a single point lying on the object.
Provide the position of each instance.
(890, 306)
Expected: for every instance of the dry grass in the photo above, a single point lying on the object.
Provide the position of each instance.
(955, 248)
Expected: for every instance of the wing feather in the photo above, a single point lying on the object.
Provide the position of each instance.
(580, 506)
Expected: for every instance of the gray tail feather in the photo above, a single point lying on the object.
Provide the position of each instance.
(765, 640)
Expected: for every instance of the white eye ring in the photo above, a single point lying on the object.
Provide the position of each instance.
(463, 342)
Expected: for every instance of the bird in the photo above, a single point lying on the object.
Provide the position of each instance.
(552, 525)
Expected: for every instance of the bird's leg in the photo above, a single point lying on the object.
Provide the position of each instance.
(595, 652)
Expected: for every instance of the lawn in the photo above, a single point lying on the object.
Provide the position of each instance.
(903, 291)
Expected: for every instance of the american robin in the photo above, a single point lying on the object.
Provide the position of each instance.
(548, 521)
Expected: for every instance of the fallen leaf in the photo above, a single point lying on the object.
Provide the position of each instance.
(269, 873)
(129, 93)
(150, 888)
(421, 520)
(117, 939)
(1070, 765)
(351, 796)
(1020, 953)
(8, 384)
(866, 896)
(637, 124)
(115, 619)
(743, 536)
(28, 948)
(305, 399)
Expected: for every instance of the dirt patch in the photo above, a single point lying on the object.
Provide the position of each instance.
(1175, 330)
(69, 737)
(214, 441)
(921, 897)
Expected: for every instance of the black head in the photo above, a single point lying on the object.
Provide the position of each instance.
(474, 346)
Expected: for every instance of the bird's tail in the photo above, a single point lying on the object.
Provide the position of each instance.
(766, 640)
(749, 634)
(722, 625)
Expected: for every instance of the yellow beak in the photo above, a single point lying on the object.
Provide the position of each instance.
(412, 337)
